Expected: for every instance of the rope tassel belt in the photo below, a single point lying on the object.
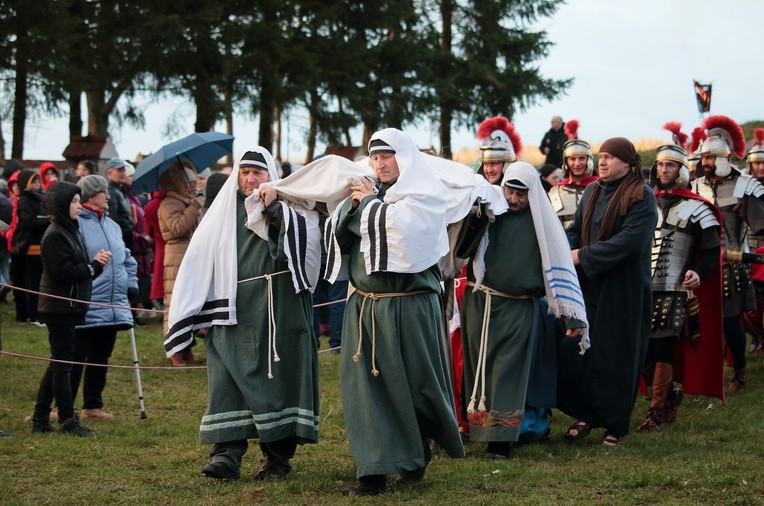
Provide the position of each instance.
(271, 319)
(374, 298)
(483, 347)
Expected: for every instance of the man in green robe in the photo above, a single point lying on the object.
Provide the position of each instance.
(508, 333)
(263, 370)
(395, 389)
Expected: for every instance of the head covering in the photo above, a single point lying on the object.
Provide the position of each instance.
(254, 159)
(377, 146)
(214, 183)
(115, 163)
(206, 173)
(91, 185)
(623, 149)
(129, 169)
(563, 292)
(11, 166)
(45, 167)
(57, 201)
(756, 153)
(190, 174)
(26, 178)
(631, 189)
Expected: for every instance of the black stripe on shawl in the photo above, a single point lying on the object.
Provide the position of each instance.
(292, 239)
(373, 234)
(329, 247)
(383, 250)
(302, 230)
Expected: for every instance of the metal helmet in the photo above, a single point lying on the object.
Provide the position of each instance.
(672, 153)
(725, 137)
(698, 136)
(756, 153)
(497, 150)
(577, 147)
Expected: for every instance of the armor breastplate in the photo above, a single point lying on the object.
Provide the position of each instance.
(672, 249)
(565, 200)
(734, 230)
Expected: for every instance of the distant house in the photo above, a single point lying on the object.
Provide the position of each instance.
(349, 152)
(90, 147)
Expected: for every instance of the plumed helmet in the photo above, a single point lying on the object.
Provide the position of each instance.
(698, 136)
(756, 153)
(725, 137)
(575, 147)
(672, 153)
(501, 142)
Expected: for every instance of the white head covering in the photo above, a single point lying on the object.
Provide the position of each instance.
(563, 292)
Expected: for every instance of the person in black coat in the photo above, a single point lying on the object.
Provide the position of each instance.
(67, 272)
(32, 223)
(551, 144)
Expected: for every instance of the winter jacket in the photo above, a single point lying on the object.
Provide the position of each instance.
(119, 212)
(32, 218)
(46, 166)
(151, 220)
(179, 215)
(101, 232)
(66, 268)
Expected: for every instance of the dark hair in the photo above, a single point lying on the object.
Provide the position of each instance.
(88, 164)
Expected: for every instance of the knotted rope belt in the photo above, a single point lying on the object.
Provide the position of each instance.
(271, 318)
(374, 298)
(483, 347)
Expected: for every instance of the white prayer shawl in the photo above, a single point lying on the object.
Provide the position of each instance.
(563, 291)
(205, 289)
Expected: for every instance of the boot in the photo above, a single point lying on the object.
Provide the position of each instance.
(373, 484)
(662, 385)
(738, 380)
(74, 427)
(672, 404)
(417, 474)
(225, 460)
(651, 423)
(276, 455)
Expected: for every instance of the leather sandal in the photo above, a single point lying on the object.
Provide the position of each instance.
(578, 430)
(612, 440)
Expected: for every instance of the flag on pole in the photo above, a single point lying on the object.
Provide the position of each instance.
(703, 96)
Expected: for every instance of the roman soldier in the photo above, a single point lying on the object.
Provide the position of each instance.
(752, 320)
(685, 256)
(501, 146)
(741, 201)
(578, 171)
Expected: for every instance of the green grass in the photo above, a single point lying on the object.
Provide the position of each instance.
(712, 454)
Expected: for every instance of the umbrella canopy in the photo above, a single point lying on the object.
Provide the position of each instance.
(201, 149)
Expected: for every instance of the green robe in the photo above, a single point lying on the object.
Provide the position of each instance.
(390, 415)
(513, 266)
(243, 402)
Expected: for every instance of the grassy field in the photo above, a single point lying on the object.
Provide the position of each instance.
(712, 455)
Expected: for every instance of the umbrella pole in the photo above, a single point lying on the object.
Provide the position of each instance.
(138, 375)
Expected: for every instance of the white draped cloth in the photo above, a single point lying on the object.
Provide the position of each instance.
(205, 289)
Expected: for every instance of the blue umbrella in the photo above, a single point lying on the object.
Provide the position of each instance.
(201, 149)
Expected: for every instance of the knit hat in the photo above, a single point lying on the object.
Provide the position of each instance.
(253, 159)
(623, 149)
(115, 163)
(547, 169)
(92, 185)
(379, 146)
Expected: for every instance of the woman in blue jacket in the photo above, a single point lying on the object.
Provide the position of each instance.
(97, 336)
(67, 272)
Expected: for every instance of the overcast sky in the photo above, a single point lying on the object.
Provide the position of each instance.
(633, 65)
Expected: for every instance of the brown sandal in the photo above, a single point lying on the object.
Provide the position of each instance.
(578, 430)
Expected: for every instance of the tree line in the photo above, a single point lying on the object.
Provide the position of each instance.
(347, 63)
